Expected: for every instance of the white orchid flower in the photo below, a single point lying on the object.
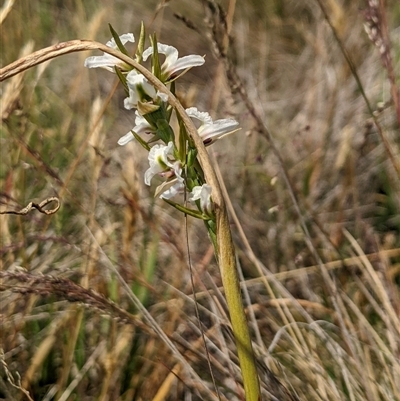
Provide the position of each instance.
(209, 130)
(161, 160)
(175, 189)
(202, 193)
(107, 61)
(173, 63)
(142, 127)
(139, 89)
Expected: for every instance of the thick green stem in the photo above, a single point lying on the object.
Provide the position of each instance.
(240, 327)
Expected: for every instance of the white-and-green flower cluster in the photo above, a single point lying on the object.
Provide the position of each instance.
(171, 157)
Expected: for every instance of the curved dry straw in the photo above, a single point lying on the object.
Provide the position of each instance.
(38, 206)
(225, 251)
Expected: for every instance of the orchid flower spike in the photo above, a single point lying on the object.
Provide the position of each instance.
(106, 60)
(209, 130)
(172, 63)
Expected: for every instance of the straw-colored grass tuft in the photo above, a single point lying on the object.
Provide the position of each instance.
(95, 298)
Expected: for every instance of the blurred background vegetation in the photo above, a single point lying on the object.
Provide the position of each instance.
(319, 252)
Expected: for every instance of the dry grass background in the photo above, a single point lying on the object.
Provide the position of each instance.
(319, 252)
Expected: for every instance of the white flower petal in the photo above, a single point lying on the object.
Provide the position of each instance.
(139, 119)
(184, 63)
(162, 96)
(131, 101)
(124, 38)
(139, 88)
(145, 128)
(172, 63)
(202, 193)
(218, 128)
(170, 52)
(106, 60)
(125, 139)
(211, 130)
(176, 189)
(148, 175)
(177, 167)
(141, 127)
(158, 160)
(202, 116)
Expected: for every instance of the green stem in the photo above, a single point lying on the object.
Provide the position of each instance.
(240, 327)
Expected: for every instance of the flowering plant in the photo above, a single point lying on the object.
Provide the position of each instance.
(179, 159)
(171, 155)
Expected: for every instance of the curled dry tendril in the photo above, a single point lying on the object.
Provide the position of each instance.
(38, 206)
